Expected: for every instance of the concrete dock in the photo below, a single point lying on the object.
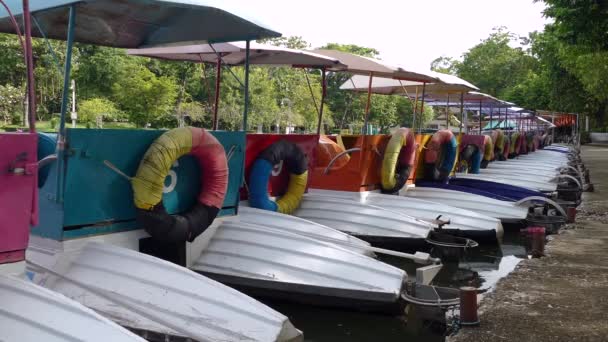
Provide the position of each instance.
(563, 296)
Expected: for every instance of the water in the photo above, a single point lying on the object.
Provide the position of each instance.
(481, 267)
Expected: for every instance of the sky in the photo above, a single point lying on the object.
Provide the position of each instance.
(411, 33)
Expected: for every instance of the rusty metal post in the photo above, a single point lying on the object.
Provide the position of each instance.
(468, 306)
(323, 95)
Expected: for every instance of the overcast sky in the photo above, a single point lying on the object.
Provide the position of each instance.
(407, 32)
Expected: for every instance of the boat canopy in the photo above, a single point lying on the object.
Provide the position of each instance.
(509, 124)
(235, 54)
(386, 86)
(132, 24)
(360, 65)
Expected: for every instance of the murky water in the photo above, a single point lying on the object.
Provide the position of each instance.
(481, 267)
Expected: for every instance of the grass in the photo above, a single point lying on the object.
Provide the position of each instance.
(45, 126)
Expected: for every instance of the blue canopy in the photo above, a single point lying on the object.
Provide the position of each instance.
(139, 23)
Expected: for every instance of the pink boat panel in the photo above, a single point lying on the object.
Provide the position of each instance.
(18, 193)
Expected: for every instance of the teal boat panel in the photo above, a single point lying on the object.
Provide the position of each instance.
(97, 200)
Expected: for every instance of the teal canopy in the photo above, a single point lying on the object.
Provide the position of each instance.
(139, 23)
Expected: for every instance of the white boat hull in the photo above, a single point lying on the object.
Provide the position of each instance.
(277, 262)
(370, 223)
(462, 222)
(502, 210)
(148, 294)
(30, 313)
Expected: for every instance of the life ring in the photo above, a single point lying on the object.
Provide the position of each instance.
(471, 157)
(155, 166)
(488, 152)
(398, 160)
(515, 145)
(440, 155)
(297, 164)
(507, 148)
(499, 145)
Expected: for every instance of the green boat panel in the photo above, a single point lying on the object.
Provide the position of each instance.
(98, 200)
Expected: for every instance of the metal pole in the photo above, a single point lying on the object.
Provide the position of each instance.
(415, 110)
(216, 105)
(480, 121)
(64, 104)
(462, 123)
(491, 122)
(519, 124)
(447, 113)
(422, 105)
(246, 109)
(323, 94)
(369, 102)
(31, 87)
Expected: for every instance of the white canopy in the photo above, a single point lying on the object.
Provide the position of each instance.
(235, 53)
(447, 84)
(360, 65)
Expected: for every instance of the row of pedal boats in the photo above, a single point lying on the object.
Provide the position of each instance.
(86, 278)
(320, 255)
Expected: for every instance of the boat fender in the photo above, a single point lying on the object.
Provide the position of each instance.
(515, 145)
(155, 166)
(499, 145)
(488, 152)
(472, 156)
(398, 160)
(297, 164)
(440, 156)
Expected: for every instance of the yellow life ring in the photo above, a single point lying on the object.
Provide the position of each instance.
(398, 160)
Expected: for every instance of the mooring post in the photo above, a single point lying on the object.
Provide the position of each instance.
(468, 306)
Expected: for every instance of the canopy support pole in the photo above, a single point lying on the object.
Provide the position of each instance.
(422, 106)
(491, 121)
(415, 111)
(323, 95)
(480, 121)
(216, 105)
(369, 102)
(519, 124)
(246, 90)
(31, 88)
(447, 113)
(462, 123)
(64, 105)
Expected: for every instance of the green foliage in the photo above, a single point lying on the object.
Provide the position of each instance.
(11, 104)
(92, 109)
(292, 42)
(99, 68)
(446, 65)
(494, 66)
(144, 96)
(352, 48)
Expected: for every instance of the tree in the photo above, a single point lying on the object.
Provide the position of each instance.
(292, 42)
(446, 65)
(11, 104)
(494, 66)
(576, 44)
(144, 96)
(97, 109)
(352, 48)
(98, 68)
